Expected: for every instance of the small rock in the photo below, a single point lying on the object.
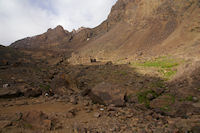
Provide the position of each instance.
(132, 98)
(101, 109)
(150, 96)
(5, 85)
(73, 100)
(85, 103)
(47, 124)
(97, 115)
(4, 124)
(71, 113)
(10, 93)
(111, 108)
(85, 92)
(194, 99)
(88, 109)
(107, 94)
(33, 93)
(46, 94)
(109, 63)
(56, 96)
(93, 60)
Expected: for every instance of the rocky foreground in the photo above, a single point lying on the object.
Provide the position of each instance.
(136, 72)
(96, 97)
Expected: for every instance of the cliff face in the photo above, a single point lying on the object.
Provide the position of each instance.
(134, 27)
(147, 28)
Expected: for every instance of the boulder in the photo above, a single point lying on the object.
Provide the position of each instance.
(5, 123)
(5, 85)
(162, 101)
(109, 63)
(60, 84)
(36, 120)
(4, 62)
(108, 94)
(9, 93)
(33, 93)
(93, 60)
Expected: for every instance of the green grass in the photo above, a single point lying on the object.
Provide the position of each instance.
(189, 98)
(167, 73)
(45, 87)
(159, 63)
(142, 97)
(164, 65)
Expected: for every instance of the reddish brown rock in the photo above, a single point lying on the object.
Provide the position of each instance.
(36, 119)
(4, 124)
(10, 93)
(33, 92)
(107, 94)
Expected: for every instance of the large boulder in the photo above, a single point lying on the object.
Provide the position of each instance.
(10, 93)
(60, 84)
(37, 120)
(108, 94)
(33, 92)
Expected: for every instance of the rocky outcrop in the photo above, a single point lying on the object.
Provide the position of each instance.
(37, 120)
(10, 93)
(52, 37)
(107, 94)
(150, 27)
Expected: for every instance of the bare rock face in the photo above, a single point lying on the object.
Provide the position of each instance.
(37, 120)
(52, 37)
(9, 93)
(4, 124)
(107, 94)
(33, 92)
(141, 25)
(60, 84)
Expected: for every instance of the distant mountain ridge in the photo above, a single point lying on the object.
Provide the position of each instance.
(133, 28)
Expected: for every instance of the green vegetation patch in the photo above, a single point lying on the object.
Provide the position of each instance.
(45, 87)
(188, 98)
(165, 65)
(142, 97)
(160, 62)
(167, 73)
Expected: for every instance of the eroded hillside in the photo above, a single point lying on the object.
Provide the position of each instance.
(137, 72)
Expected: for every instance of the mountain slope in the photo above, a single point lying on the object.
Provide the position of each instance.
(148, 28)
(137, 72)
(133, 28)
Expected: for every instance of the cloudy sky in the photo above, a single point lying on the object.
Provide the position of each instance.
(22, 18)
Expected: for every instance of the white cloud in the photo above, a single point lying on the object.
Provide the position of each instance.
(22, 18)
